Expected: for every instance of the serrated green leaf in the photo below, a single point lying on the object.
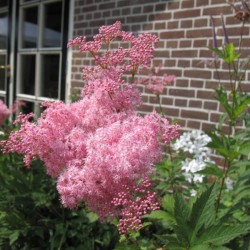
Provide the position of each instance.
(181, 212)
(221, 234)
(203, 211)
(168, 203)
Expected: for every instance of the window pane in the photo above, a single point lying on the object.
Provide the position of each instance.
(27, 71)
(2, 72)
(52, 25)
(3, 30)
(30, 28)
(3, 3)
(50, 76)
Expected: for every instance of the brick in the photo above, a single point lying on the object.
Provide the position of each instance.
(195, 104)
(109, 5)
(192, 114)
(201, 22)
(160, 16)
(202, 3)
(148, 8)
(193, 124)
(171, 111)
(136, 10)
(181, 82)
(172, 34)
(183, 63)
(185, 43)
(172, 44)
(160, 26)
(199, 33)
(195, 73)
(182, 92)
(215, 117)
(184, 53)
(186, 23)
(200, 43)
(187, 4)
(135, 19)
(208, 127)
(210, 105)
(217, 10)
(160, 7)
(180, 102)
(173, 5)
(172, 24)
(186, 14)
(88, 8)
(167, 100)
(196, 84)
(204, 94)
(170, 63)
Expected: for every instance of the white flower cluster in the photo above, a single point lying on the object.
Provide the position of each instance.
(194, 142)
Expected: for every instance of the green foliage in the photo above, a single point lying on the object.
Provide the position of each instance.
(196, 226)
(227, 53)
(31, 216)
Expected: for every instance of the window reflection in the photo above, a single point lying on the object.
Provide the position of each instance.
(52, 25)
(3, 30)
(27, 70)
(2, 72)
(3, 3)
(30, 28)
(50, 76)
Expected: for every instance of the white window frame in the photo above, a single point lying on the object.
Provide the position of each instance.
(39, 51)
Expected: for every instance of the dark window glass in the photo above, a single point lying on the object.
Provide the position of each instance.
(50, 76)
(28, 67)
(2, 72)
(3, 30)
(4, 3)
(30, 28)
(52, 25)
(27, 108)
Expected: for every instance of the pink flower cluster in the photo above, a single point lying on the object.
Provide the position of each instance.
(99, 148)
(4, 112)
(134, 204)
(155, 83)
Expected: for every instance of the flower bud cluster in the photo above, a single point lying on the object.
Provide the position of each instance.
(99, 146)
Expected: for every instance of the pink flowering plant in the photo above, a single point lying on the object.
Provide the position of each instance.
(99, 149)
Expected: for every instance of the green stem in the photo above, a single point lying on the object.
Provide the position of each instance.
(159, 102)
(225, 170)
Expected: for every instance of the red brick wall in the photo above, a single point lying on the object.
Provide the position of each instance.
(183, 27)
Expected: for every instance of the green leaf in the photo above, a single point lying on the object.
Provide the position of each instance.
(181, 212)
(168, 203)
(14, 236)
(213, 170)
(125, 246)
(229, 53)
(159, 215)
(203, 211)
(170, 241)
(222, 234)
(243, 104)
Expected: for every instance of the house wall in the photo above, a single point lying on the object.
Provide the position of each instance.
(184, 29)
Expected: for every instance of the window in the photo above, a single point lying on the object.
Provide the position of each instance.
(4, 68)
(40, 52)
